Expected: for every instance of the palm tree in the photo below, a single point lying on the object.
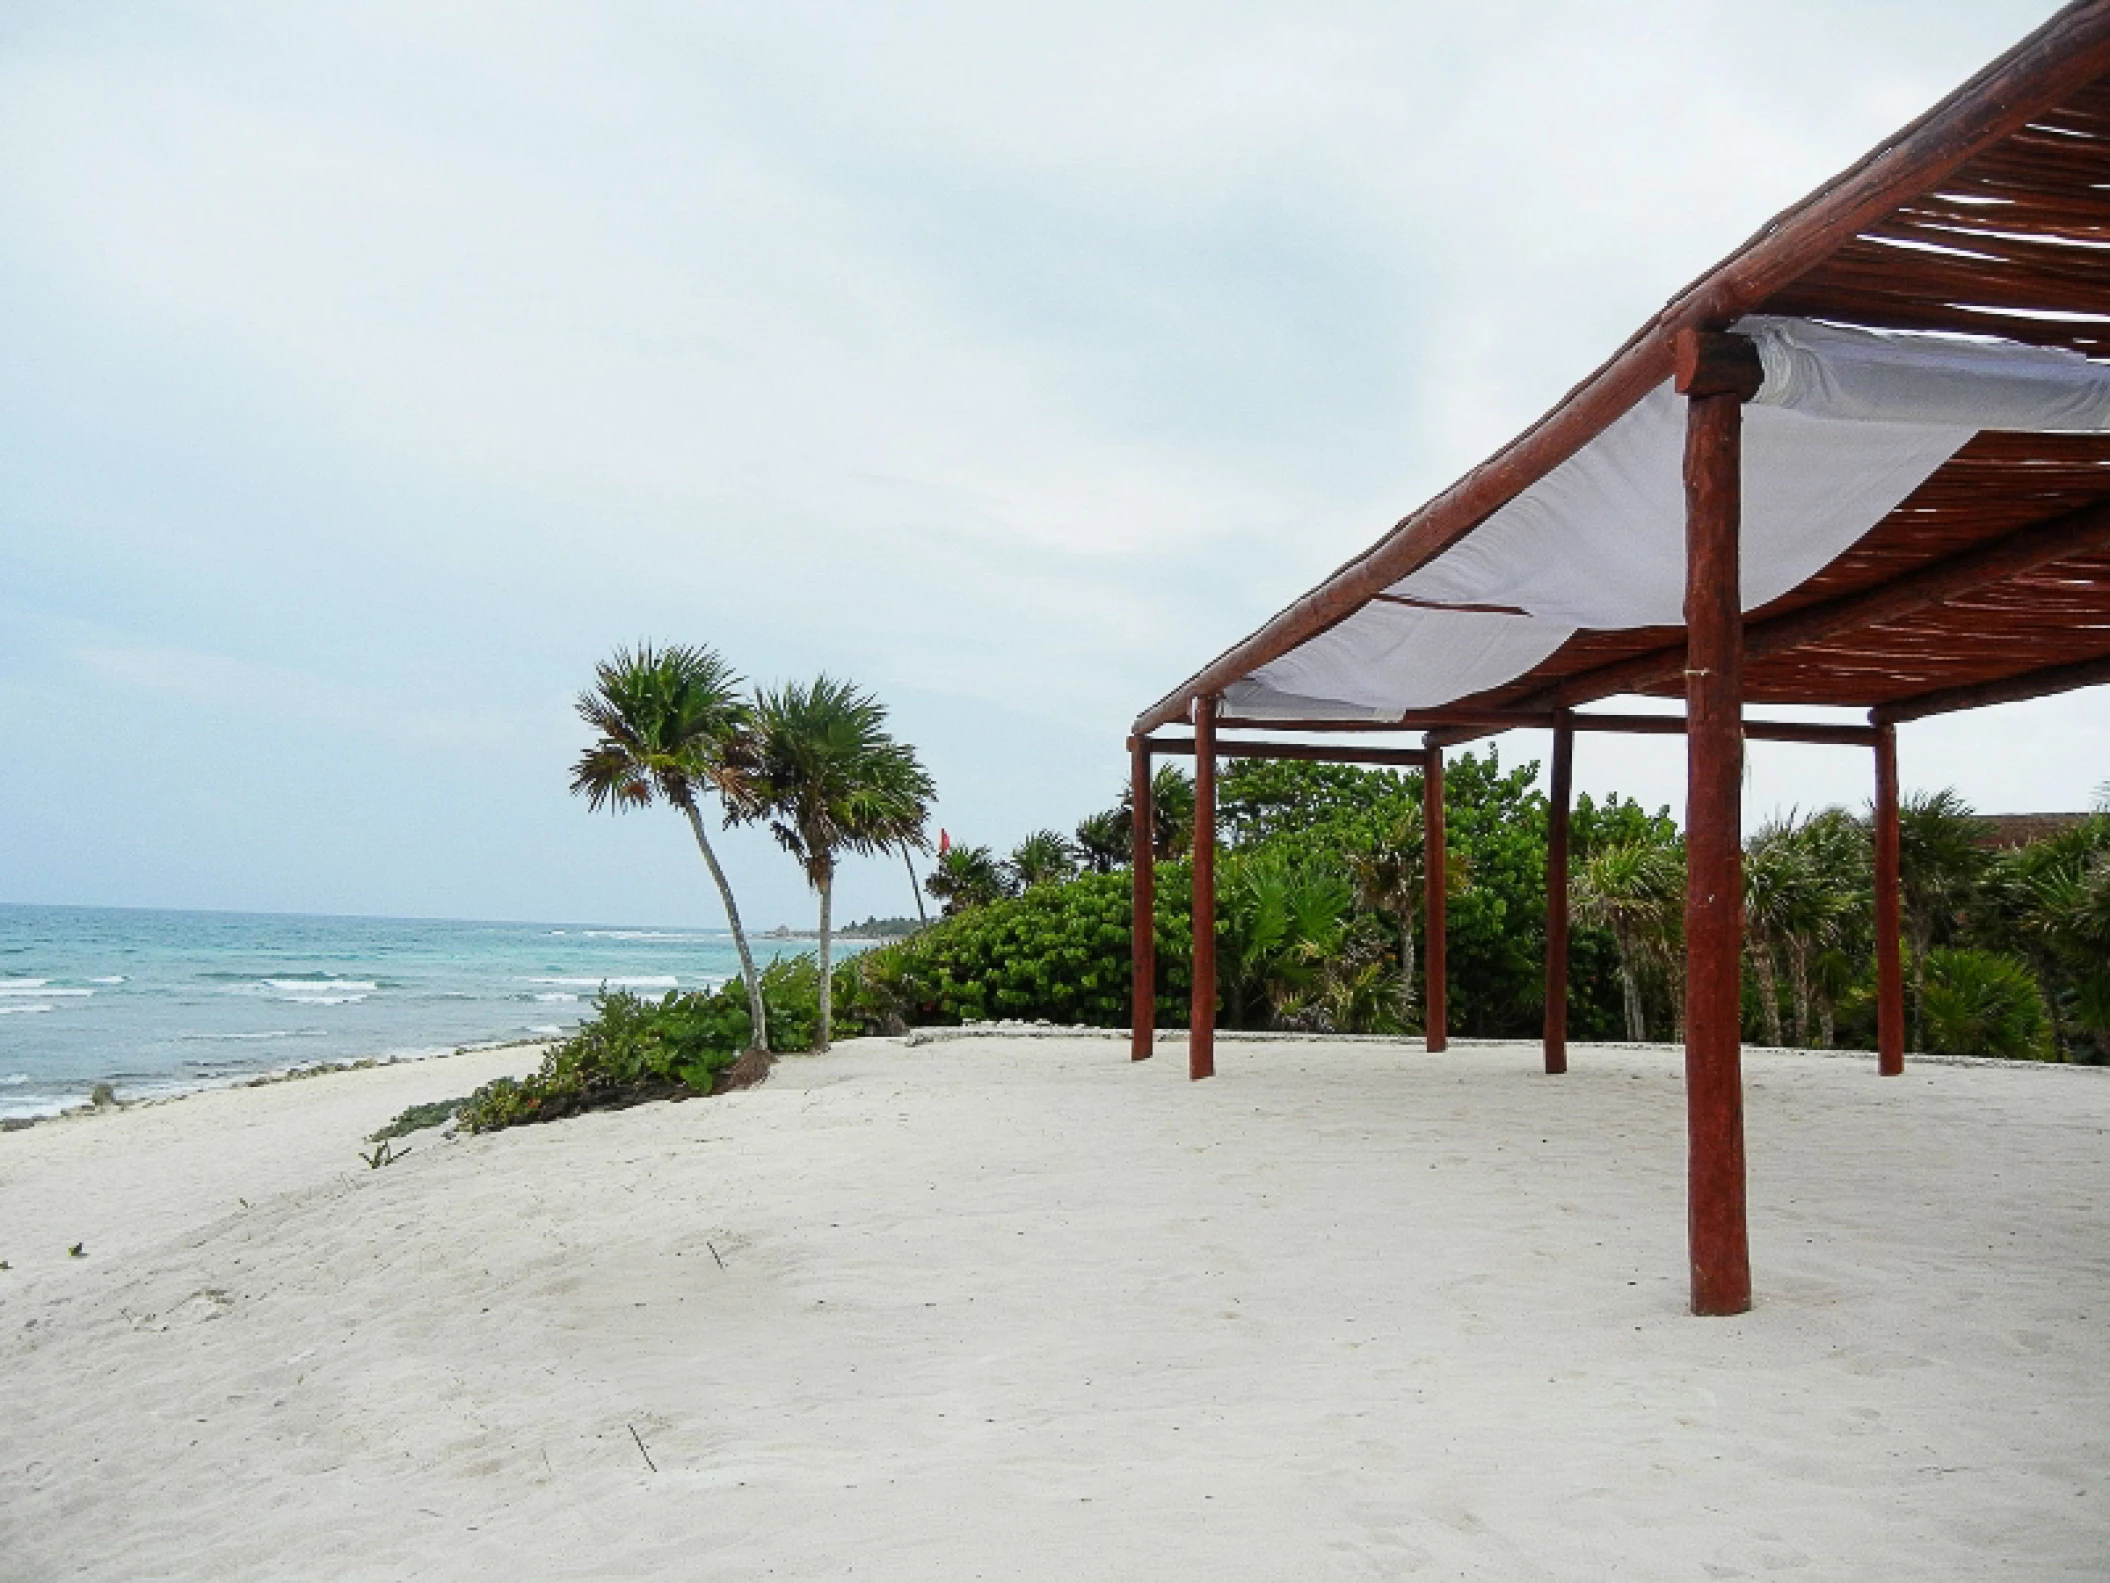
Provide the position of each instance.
(1771, 879)
(830, 780)
(1171, 814)
(1940, 863)
(1387, 876)
(1633, 889)
(1042, 858)
(1793, 908)
(1284, 920)
(1102, 841)
(672, 726)
(967, 876)
(1829, 928)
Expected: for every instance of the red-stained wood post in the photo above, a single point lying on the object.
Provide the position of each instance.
(1142, 926)
(1435, 880)
(1714, 921)
(1890, 973)
(1559, 796)
(1201, 1024)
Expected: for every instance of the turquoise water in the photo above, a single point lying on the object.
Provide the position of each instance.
(162, 1002)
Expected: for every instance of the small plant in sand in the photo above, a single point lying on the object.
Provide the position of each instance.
(381, 1154)
(416, 1118)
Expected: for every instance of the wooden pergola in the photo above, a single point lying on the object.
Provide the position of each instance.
(1983, 231)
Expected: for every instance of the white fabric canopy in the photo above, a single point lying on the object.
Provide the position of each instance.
(1848, 423)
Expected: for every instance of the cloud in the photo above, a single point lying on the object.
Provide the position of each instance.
(1022, 357)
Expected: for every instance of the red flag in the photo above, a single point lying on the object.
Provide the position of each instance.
(944, 841)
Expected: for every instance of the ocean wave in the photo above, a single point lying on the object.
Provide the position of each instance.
(636, 981)
(644, 934)
(12, 992)
(322, 983)
(545, 1027)
(6, 1011)
(114, 978)
(268, 1034)
(14, 1078)
(19, 984)
(557, 995)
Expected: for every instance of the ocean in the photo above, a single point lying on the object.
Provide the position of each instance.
(158, 1003)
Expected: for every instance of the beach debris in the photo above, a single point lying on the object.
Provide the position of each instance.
(641, 1451)
(381, 1154)
(78, 1251)
(103, 1096)
(4, 1265)
(714, 1253)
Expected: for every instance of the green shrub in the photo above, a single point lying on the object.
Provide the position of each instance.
(416, 1118)
(1058, 952)
(1984, 1003)
(633, 1049)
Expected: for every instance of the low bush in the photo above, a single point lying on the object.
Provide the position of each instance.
(1059, 952)
(634, 1049)
(416, 1118)
(1985, 1003)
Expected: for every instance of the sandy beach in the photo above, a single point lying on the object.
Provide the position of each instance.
(1003, 1308)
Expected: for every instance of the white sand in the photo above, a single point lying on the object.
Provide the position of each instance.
(1016, 1309)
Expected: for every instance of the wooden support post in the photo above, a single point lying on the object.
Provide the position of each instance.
(1201, 1026)
(1714, 925)
(1890, 975)
(1559, 796)
(1435, 879)
(1142, 927)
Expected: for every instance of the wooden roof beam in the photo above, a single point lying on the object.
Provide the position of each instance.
(1823, 732)
(1303, 752)
(2053, 679)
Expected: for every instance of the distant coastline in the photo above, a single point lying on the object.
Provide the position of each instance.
(871, 931)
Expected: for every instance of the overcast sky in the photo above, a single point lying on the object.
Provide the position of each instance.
(371, 370)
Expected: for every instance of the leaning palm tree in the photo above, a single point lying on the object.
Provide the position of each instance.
(830, 780)
(673, 727)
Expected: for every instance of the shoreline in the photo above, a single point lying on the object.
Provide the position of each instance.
(296, 1073)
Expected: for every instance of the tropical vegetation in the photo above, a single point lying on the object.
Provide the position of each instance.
(1319, 908)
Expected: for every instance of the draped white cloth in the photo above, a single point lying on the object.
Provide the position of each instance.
(1847, 424)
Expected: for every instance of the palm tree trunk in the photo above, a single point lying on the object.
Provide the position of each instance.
(1636, 1018)
(1406, 968)
(1799, 990)
(914, 889)
(820, 1034)
(1630, 984)
(758, 1039)
(1918, 953)
(1768, 992)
